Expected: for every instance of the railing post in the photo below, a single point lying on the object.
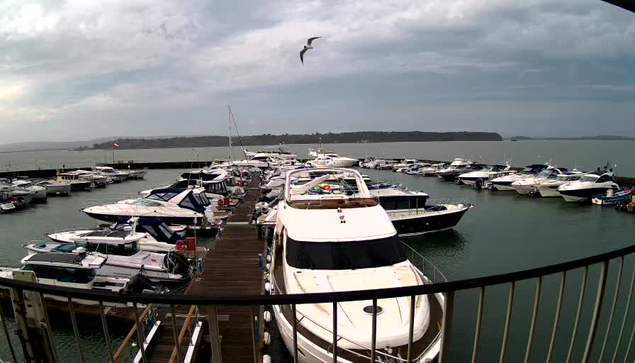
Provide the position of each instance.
(615, 297)
(334, 331)
(479, 316)
(579, 312)
(295, 334)
(446, 326)
(534, 317)
(253, 333)
(214, 336)
(411, 328)
(373, 338)
(599, 298)
(508, 320)
(626, 312)
(556, 320)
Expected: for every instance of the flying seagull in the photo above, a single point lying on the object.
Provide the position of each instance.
(307, 47)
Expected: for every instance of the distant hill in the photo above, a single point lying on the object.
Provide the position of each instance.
(598, 137)
(46, 145)
(269, 139)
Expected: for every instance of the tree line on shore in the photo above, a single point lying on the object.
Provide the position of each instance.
(316, 138)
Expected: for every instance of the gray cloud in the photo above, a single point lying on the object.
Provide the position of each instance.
(87, 68)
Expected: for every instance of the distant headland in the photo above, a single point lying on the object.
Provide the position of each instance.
(598, 137)
(316, 138)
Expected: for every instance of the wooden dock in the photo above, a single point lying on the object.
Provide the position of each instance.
(232, 267)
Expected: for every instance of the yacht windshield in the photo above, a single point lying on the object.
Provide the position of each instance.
(589, 178)
(545, 173)
(146, 203)
(348, 255)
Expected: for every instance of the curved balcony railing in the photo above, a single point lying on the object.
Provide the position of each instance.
(606, 348)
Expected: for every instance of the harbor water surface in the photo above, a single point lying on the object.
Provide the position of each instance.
(504, 232)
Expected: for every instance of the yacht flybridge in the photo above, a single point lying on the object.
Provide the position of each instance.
(331, 239)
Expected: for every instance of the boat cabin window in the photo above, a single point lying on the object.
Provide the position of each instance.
(216, 188)
(146, 202)
(120, 249)
(347, 255)
(183, 184)
(603, 179)
(405, 202)
(164, 196)
(80, 276)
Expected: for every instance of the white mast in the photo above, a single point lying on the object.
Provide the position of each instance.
(229, 129)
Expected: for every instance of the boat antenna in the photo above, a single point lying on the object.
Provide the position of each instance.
(229, 130)
(240, 139)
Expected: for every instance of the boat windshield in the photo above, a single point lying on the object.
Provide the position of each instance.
(68, 275)
(349, 255)
(589, 178)
(146, 202)
(119, 249)
(546, 173)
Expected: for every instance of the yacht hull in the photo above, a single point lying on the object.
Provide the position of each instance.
(524, 189)
(60, 189)
(188, 221)
(409, 223)
(548, 192)
(581, 195)
(503, 186)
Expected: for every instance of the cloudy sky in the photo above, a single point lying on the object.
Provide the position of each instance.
(81, 69)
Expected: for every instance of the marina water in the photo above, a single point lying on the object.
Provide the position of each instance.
(504, 232)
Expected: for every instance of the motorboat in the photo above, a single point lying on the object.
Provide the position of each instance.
(589, 185)
(431, 170)
(76, 270)
(332, 160)
(404, 165)
(124, 257)
(108, 171)
(529, 184)
(153, 234)
(97, 178)
(174, 206)
(612, 198)
(38, 192)
(270, 152)
(76, 179)
(549, 188)
(330, 240)
(504, 183)
(457, 167)
(215, 188)
(13, 198)
(137, 174)
(414, 170)
(56, 187)
(410, 213)
(480, 178)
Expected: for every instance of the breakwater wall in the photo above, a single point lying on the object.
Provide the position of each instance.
(48, 173)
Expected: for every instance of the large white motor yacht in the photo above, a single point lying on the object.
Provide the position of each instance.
(331, 240)
(529, 185)
(504, 183)
(589, 185)
(480, 178)
(332, 161)
(549, 188)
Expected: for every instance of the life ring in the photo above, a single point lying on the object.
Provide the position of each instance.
(180, 245)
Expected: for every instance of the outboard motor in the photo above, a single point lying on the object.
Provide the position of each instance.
(140, 283)
(179, 264)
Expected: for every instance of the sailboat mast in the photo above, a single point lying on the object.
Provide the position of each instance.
(229, 129)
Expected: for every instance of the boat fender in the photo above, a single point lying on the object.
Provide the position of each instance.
(268, 266)
(266, 338)
(261, 263)
(268, 258)
(268, 287)
(266, 358)
(267, 316)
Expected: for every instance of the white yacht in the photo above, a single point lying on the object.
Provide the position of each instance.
(332, 240)
(56, 187)
(152, 234)
(549, 188)
(529, 184)
(457, 167)
(404, 165)
(117, 175)
(76, 179)
(188, 207)
(431, 170)
(270, 152)
(38, 192)
(124, 258)
(332, 161)
(77, 270)
(480, 178)
(589, 185)
(504, 183)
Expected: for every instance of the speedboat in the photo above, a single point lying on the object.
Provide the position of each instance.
(174, 206)
(76, 270)
(457, 167)
(595, 183)
(38, 192)
(480, 178)
(56, 187)
(404, 165)
(504, 183)
(124, 258)
(549, 188)
(117, 175)
(270, 152)
(330, 240)
(529, 184)
(153, 234)
(332, 161)
(410, 213)
(612, 198)
(431, 170)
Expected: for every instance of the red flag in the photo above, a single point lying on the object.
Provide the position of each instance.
(116, 145)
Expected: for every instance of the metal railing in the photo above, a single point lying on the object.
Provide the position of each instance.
(618, 326)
